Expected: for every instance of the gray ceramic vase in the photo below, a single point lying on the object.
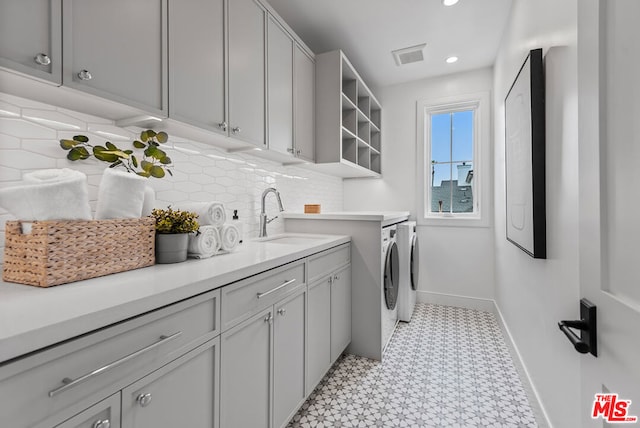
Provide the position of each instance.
(171, 247)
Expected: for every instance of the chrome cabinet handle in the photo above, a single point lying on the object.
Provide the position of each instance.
(266, 293)
(223, 126)
(85, 75)
(70, 383)
(144, 399)
(282, 311)
(268, 318)
(291, 150)
(298, 151)
(336, 277)
(236, 130)
(42, 59)
(101, 424)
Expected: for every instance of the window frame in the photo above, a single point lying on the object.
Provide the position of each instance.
(425, 108)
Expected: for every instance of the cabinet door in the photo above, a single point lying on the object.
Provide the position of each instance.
(318, 331)
(288, 359)
(31, 37)
(196, 63)
(304, 113)
(280, 88)
(340, 312)
(247, 71)
(245, 367)
(105, 414)
(116, 49)
(182, 393)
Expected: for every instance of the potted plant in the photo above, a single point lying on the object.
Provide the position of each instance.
(172, 234)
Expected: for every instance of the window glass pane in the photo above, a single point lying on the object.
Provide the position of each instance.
(462, 188)
(440, 187)
(441, 137)
(463, 136)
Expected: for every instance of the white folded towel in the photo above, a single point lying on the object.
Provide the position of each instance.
(149, 201)
(230, 237)
(205, 244)
(208, 212)
(51, 194)
(121, 195)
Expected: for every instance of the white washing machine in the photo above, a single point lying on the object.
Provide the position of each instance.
(390, 283)
(407, 240)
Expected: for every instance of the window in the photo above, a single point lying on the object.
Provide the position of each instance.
(453, 144)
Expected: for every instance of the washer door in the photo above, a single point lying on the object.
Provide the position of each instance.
(391, 271)
(415, 262)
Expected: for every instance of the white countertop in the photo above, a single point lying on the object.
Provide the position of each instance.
(32, 317)
(382, 216)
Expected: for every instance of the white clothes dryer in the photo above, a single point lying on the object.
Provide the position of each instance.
(390, 283)
(408, 253)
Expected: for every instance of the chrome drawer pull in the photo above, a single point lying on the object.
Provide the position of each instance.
(70, 383)
(291, 281)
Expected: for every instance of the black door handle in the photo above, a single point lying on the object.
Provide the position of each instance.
(588, 340)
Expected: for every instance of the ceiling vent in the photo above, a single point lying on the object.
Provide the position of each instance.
(409, 55)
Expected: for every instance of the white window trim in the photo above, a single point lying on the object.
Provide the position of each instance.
(481, 102)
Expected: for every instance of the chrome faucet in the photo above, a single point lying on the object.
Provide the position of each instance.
(263, 214)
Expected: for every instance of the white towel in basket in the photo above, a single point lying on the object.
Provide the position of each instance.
(212, 213)
(121, 195)
(50, 194)
(205, 244)
(230, 237)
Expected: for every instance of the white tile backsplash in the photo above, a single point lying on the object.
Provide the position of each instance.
(201, 173)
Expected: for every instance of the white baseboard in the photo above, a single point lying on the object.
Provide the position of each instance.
(486, 305)
(489, 305)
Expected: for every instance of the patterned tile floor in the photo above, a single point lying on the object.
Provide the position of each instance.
(448, 367)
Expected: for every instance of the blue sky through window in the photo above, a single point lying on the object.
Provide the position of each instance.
(454, 150)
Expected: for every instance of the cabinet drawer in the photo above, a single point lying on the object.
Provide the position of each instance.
(328, 261)
(105, 413)
(245, 298)
(69, 377)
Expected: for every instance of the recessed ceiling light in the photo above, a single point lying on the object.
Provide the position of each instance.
(452, 59)
(449, 2)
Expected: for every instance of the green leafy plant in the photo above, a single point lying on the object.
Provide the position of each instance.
(153, 162)
(175, 221)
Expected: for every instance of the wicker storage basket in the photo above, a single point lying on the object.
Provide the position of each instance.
(59, 252)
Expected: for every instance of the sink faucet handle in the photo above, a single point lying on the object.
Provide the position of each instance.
(271, 219)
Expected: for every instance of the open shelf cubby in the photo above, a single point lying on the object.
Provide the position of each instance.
(350, 120)
(364, 131)
(375, 115)
(375, 140)
(363, 155)
(349, 149)
(375, 162)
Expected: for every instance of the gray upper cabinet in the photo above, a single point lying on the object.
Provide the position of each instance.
(247, 71)
(197, 63)
(304, 105)
(31, 38)
(280, 88)
(117, 50)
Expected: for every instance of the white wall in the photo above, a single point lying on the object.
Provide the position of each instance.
(28, 143)
(453, 260)
(533, 295)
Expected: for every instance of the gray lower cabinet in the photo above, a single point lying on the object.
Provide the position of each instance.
(340, 311)
(318, 331)
(247, 71)
(116, 49)
(105, 414)
(304, 105)
(31, 38)
(182, 393)
(245, 366)
(197, 63)
(262, 366)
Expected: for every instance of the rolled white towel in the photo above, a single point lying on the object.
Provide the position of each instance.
(205, 244)
(121, 195)
(212, 213)
(230, 237)
(52, 194)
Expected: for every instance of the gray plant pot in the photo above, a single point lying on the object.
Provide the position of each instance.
(171, 247)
